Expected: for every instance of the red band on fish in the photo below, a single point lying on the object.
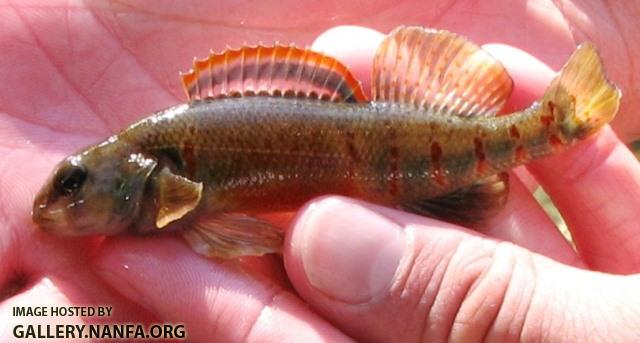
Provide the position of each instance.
(521, 153)
(514, 132)
(436, 160)
(481, 160)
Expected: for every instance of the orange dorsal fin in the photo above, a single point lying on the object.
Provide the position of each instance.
(439, 71)
(273, 71)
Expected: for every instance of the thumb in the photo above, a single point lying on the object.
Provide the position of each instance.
(383, 275)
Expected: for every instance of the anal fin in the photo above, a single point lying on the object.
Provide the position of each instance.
(232, 235)
(470, 205)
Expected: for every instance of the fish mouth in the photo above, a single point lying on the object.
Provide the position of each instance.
(51, 219)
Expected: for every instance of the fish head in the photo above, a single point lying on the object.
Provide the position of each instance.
(96, 191)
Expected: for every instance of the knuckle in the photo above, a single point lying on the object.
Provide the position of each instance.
(462, 289)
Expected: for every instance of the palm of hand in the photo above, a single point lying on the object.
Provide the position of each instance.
(72, 75)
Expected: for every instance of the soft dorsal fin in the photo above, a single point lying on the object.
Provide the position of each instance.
(439, 71)
(274, 71)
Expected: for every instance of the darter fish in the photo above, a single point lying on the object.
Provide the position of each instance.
(266, 128)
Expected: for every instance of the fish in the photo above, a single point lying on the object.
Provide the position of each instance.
(268, 127)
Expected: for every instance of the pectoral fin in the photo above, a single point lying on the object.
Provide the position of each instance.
(470, 205)
(177, 197)
(232, 235)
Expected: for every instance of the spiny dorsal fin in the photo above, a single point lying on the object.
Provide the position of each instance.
(439, 71)
(274, 71)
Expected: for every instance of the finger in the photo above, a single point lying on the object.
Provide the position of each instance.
(212, 298)
(42, 272)
(530, 76)
(595, 185)
(523, 221)
(384, 275)
(53, 293)
(354, 46)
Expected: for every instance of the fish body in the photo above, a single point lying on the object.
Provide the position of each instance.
(259, 153)
(427, 143)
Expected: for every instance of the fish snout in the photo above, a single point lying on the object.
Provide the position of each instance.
(48, 217)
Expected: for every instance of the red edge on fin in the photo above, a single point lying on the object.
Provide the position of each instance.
(271, 70)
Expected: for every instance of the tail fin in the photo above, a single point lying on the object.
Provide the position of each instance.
(583, 93)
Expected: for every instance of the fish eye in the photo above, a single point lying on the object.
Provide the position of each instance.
(70, 179)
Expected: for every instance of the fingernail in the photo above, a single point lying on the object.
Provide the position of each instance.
(349, 252)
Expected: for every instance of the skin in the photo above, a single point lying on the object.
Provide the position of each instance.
(73, 74)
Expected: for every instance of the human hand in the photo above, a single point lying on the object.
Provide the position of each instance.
(160, 279)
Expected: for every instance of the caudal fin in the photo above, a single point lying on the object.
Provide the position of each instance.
(582, 92)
